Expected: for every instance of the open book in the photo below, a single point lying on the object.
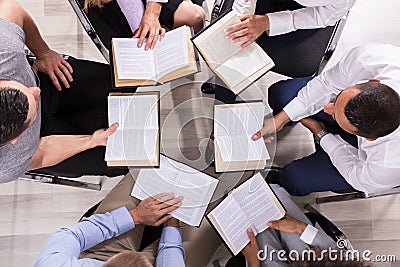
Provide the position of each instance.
(252, 204)
(136, 141)
(238, 68)
(171, 58)
(234, 124)
(196, 187)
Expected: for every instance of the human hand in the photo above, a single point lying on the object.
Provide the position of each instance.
(173, 222)
(154, 210)
(248, 30)
(271, 125)
(250, 251)
(313, 125)
(289, 225)
(99, 137)
(150, 26)
(55, 66)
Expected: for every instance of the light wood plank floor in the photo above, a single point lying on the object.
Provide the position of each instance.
(31, 211)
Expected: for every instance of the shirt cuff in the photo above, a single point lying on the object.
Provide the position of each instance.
(171, 235)
(294, 110)
(157, 1)
(123, 219)
(280, 22)
(309, 234)
(329, 142)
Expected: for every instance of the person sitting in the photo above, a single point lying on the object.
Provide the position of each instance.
(57, 124)
(199, 243)
(273, 24)
(64, 246)
(149, 19)
(355, 121)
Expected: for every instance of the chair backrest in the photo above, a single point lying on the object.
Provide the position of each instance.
(101, 24)
(304, 56)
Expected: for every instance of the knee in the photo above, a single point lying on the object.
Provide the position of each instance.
(198, 18)
(276, 96)
(293, 181)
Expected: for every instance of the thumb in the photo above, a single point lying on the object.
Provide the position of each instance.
(256, 136)
(274, 224)
(111, 129)
(251, 236)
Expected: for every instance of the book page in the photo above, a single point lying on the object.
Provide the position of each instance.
(137, 133)
(234, 126)
(213, 43)
(133, 62)
(172, 52)
(255, 200)
(232, 224)
(196, 188)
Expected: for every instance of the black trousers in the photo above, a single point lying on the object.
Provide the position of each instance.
(81, 109)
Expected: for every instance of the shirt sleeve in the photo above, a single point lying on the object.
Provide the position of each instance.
(64, 246)
(243, 7)
(319, 91)
(158, 1)
(170, 250)
(309, 234)
(316, 14)
(366, 176)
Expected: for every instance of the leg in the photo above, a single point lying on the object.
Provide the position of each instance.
(118, 196)
(200, 244)
(189, 14)
(314, 173)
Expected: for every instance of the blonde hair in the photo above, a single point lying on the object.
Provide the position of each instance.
(98, 3)
(128, 258)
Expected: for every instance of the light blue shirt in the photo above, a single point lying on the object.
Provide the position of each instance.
(64, 246)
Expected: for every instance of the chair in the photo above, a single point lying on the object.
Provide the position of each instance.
(344, 196)
(100, 24)
(316, 218)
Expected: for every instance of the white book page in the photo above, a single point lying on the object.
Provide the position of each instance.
(257, 203)
(233, 222)
(133, 62)
(172, 52)
(136, 136)
(213, 42)
(234, 127)
(196, 188)
(243, 64)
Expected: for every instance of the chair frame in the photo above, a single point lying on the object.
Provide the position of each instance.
(89, 29)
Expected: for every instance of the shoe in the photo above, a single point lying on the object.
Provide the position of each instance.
(208, 88)
(271, 175)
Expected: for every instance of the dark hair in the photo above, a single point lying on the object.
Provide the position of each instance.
(375, 111)
(14, 108)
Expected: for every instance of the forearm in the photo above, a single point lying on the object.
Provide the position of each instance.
(57, 148)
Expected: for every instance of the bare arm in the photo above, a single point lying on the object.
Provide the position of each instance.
(54, 149)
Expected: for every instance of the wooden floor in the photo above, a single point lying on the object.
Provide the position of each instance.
(31, 211)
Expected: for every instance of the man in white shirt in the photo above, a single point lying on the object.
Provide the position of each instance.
(358, 128)
(270, 18)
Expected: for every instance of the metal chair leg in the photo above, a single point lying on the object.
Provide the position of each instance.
(51, 179)
(341, 197)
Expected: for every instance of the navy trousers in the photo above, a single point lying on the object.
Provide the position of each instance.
(314, 173)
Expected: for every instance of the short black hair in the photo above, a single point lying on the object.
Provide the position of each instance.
(375, 111)
(14, 107)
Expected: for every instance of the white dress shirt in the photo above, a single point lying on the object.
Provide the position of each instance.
(133, 11)
(375, 165)
(316, 14)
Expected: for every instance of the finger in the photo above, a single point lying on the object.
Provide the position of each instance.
(62, 78)
(66, 72)
(171, 208)
(162, 33)
(244, 17)
(68, 66)
(54, 79)
(235, 36)
(159, 196)
(111, 129)
(256, 136)
(165, 198)
(249, 42)
(162, 220)
(172, 202)
(143, 35)
(251, 235)
(152, 40)
(236, 27)
(269, 139)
